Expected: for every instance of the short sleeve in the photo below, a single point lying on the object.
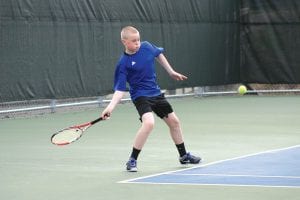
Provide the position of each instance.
(154, 49)
(120, 78)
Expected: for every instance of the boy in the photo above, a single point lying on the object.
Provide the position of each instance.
(136, 66)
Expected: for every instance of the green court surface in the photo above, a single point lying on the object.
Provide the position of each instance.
(216, 128)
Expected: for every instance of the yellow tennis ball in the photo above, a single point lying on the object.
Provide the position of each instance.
(242, 90)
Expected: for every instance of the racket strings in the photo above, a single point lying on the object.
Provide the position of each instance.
(67, 136)
(71, 134)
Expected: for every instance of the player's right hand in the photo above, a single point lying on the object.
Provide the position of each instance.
(106, 114)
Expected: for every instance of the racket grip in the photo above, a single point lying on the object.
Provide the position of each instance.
(96, 120)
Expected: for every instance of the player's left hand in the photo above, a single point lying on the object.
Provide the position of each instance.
(178, 77)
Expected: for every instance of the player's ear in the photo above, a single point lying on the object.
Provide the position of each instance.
(123, 41)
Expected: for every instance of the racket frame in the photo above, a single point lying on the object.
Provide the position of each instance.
(81, 127)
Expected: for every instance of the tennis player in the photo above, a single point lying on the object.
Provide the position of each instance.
(136, 66)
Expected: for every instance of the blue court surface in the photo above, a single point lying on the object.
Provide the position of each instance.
(276, 168)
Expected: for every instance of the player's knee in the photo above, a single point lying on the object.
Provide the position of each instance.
(148, 121)
(148, 124)
(174, 122)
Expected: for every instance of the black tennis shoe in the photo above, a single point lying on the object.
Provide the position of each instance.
(189, 159)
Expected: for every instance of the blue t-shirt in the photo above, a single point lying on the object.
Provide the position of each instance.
(138, 70)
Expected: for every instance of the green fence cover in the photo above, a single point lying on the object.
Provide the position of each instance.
(52, 49)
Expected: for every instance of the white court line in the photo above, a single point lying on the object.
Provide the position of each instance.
(239, 175)
(207, 184)
(205, 165)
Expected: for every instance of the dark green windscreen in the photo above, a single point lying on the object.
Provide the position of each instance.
(52, 49)
(270, 41)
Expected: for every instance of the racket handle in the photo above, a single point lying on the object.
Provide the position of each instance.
(96, 120)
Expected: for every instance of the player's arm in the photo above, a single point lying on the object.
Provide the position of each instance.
(164, 62)
(118, 95)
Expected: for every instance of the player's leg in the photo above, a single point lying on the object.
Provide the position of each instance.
(164, 110)
(140, 140)
(144, 131)
(176, 133)
(174, 126)
(146, 116)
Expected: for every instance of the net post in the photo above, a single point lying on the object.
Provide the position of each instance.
(199, 91)
(53, 105)
(172, 92)
(100, 101)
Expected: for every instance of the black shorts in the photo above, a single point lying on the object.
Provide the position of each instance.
(158, 104)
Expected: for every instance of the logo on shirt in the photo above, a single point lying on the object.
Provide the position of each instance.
(133, 63)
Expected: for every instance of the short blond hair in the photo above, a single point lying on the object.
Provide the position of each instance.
(128, 30)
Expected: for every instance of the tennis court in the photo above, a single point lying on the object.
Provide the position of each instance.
(276, 168)
(218, 128)
(229, 68)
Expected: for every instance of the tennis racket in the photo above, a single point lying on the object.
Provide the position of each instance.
(68, 135)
